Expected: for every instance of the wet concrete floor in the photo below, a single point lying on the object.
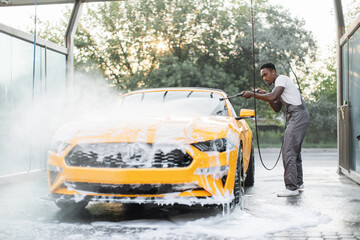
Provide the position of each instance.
(328, 208)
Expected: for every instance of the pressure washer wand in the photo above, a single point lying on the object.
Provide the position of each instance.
(237, 95)
(234, 96)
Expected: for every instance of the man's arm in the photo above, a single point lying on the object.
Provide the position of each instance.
(267, 97)
(276, 105)
(273, 97)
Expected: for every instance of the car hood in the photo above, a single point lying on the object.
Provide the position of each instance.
(150, 130)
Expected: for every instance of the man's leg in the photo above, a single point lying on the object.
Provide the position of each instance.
(289, 158)
(299, 131)
(300, 180)
(290, 167)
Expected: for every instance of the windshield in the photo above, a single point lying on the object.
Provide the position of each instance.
(178, 102)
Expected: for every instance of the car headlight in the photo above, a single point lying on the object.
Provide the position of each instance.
(217, 145)
(58, 147)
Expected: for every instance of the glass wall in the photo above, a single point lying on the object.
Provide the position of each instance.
(56, 71)
(23, 141)
(354, 99)
(5, 86)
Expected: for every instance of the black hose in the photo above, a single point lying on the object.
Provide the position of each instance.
(254, 84)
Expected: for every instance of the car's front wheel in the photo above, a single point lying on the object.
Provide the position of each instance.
(250, 173)
(238, 186)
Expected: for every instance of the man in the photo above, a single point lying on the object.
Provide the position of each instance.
(297, 121)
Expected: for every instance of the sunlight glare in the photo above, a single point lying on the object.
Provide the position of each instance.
(161, 46)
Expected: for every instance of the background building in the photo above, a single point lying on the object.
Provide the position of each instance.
(348, 96)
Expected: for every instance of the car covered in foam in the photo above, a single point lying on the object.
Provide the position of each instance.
(164, 146)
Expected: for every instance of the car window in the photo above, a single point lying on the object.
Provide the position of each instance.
(180, 102)
(232, 110)
(153, 97)
(172, 95)
(132, 98)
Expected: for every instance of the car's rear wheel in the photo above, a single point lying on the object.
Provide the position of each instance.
(70, 204)
(250, 173)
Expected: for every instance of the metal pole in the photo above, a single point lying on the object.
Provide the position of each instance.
(69, 39)
(340, 32)
(341, 126)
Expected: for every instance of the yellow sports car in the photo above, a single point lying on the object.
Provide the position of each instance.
(164, 146)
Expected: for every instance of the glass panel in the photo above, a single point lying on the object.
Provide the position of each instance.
(22, 71)
(5, 70)
(203, 94)
(354, 99)
(19, 144)
(153, 96)
(172, 95)
(5, 83)
(180, 102)
(133, 98)
(24, 139)
(39, 87)
(50, 89)
(190, 94)
(38, 132)
(56, 74)
(344, 65)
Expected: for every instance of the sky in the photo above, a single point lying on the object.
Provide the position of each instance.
(317, 14)
(319, 17)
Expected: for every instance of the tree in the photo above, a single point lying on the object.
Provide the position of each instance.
(322, 105)
(353, 14)
(204, 43)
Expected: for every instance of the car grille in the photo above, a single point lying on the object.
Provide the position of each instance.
(131, 189)
(127, 155)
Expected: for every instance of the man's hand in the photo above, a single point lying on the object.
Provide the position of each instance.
(261, 91)
(247, 94)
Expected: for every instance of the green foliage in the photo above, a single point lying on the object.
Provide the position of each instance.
(174, 73)
(353, 14)
(131, 41)
(204, 43)
(52, 31)
(322, 106)
(322, 127)
(270, 137)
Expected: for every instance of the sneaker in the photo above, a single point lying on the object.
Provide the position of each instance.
(288, 193)
(301, 188)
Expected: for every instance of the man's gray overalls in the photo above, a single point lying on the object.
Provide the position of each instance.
(297, 122)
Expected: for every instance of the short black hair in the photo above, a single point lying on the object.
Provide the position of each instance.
(268, 65)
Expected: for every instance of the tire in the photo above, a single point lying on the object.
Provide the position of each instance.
(250, 173)
(238, 191)
(69, 204)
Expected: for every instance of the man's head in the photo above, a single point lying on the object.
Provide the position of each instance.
(268, 73)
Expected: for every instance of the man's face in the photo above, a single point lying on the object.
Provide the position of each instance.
(268, 75)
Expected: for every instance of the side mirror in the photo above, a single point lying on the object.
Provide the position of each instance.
(246, 113)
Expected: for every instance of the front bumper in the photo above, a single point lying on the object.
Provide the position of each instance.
(168, 199)
(165, 185)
